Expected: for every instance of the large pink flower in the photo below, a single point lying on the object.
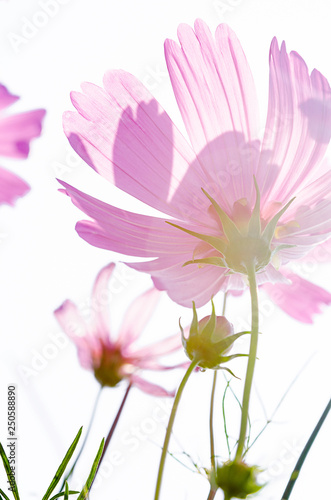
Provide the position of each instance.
(16, 132)
(115, 358)
(208, 186)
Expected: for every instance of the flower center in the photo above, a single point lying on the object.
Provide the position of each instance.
(109, 369)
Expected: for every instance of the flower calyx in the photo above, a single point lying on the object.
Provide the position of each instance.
(241, 250)
(237, 479)
(109, 369)
(209, 340)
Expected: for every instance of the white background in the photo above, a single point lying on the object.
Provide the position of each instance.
(43, 261)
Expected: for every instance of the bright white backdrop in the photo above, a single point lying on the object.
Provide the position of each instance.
(42, 260)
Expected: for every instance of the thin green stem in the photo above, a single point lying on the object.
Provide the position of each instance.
(211, 428)
(85, 440)
(251, 362)
(302, 458)
(170, 426)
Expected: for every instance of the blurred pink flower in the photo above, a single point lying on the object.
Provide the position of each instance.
(16, 132)
(115, 358)
(125, 135)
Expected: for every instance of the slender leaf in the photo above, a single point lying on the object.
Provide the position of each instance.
(70, 492)
(9, 473)
(85, 491)
(63, 466)
(3, 494)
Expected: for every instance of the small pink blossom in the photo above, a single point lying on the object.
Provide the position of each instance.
(113, 358)
(16, 132)
(126, 136)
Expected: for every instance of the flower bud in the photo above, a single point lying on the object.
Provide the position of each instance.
(237, 479)
(209, 339)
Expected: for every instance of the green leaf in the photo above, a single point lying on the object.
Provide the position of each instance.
(228, 370)
(70, 492)
(63, 466)
(3, 494)
(85, 491)
(9, 473)
(66, 492)
(194, 324)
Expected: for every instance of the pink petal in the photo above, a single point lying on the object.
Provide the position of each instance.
(216, 95)
(100, 302)
(122, 132)
(11, 187)
(149, 388)
(295, 149)
(160, 348)
(212, 83)
(137, 316)
(184, 284)
(71, 320)
(300, 299)
(127, 232)
(6, 99)
(17, 131)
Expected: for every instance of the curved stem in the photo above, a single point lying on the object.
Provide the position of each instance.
(251, 362)
(211, 429)
(113, 427)
(85, 439)
(302, 458)
(212, 494)
(170, 426)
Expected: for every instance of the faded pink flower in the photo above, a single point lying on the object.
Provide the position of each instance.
(115, 358)
(206, 186)
(16, 132)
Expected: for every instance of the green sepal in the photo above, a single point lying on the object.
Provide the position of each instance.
(225, 359)
(209, 328)
(215, 242)
(224, 344)
(254, 226)
(228, 370)
(228, 225)
(62, 466)
(213, 261)
(194, 325)
(9, 473)
(85, 491)
(270, 228)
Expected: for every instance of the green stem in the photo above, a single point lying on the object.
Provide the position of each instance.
(85, 440)
(170, 426)
(212, 494)
(302, 458)
(251, 362)
(211, 429)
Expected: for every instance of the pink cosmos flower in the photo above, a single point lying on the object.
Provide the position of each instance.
(227, 194)
(16, 132)
(115, 358)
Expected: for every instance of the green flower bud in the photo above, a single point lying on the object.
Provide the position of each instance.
(237, 479)
(209, 339)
